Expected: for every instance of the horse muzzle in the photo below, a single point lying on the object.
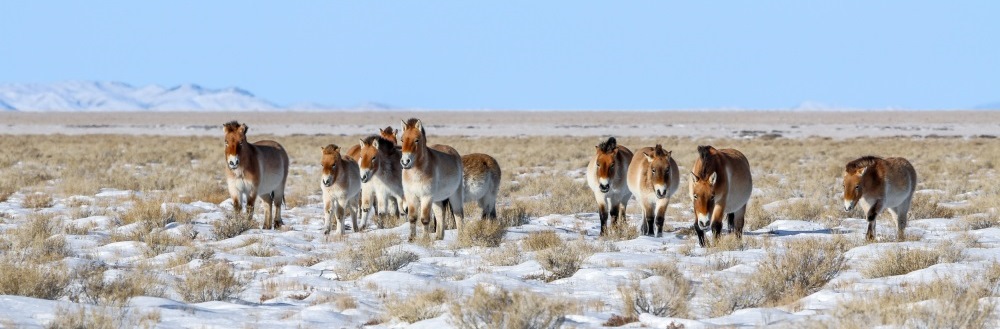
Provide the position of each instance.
(366, 176)
(406, 161)
(661, 194)
(604, 187)
(849, 204)
(327, 181)
(703, 221)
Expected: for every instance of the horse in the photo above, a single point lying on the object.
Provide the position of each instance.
(430, 177)
(388, 133)
(341, 186)
(255, 170)
(877, 184)
(606, 175)
(481, 179)
(720, 185)
(381, 174)
(653, 178)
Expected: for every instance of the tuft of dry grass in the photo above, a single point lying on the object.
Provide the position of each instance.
(564, 260)
(665, 296)
(373, 253)
(494, 307)
(506, 255)
(37, 200)
(756, 217)
(96, 289)
(419, 307)
(541, 240)
(232, 225)
(26, 277)
(213, 280)
(481, 233)
(925, 205)
(621, 231)
(898, 261)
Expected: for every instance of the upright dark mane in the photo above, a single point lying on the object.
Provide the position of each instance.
(609, 145)
(384, 145)
(707, 163)
(861, 162)
(659, 151)
(231, 125)
(413, 122)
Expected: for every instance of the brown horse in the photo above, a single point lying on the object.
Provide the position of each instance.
(720, 185)
(877, 184)
(653, 178)
(341, 186)
(606, 175)
(481, 179)
(255, 170)
(388, 133)
(430, 177)
(381, 175)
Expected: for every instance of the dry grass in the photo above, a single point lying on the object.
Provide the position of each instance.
(371, 254)
(481, 233)
(97, 289)
(506, 255)
(666, 296)
(541, 240)
(494, 307)
(37, 200)
(564, 260)
(25, 277)
(418, 307)
(899, 260)
(214, 280)
(925, 205)
(232, 225)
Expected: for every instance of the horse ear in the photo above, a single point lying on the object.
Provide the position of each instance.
(669, 153)
(419, 125)
(711, 179)
(244, 128)
(862, 171)
(403, 127)
(361, 142)
(691, 186)
(375, 143)
(648, 158)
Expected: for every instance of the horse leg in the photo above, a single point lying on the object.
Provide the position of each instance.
(701, 234)
(412, 218)
(661, 211)
(872, 213)
(739, 218)
(279, 199)
(731, 221)
(251, 201)
(439, 216)
(648, 215)
(901, 212)
(603, 215)
(339, 207)
(425, 215)
(615, 211)
(717, 222)
(267, 202)
(327, 212)
(351, 206)
(457, 206)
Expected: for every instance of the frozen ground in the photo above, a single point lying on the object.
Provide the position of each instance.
(298, 302)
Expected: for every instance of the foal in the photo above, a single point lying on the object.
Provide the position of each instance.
(877, 184)
(653, 178)
(341, 186)
(720, 186)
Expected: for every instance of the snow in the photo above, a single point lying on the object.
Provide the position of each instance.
(117, 96)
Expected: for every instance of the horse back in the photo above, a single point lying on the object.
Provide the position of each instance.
(273, 161)
(900, 176)
(739, 182)
(353, 152)
(481, 173)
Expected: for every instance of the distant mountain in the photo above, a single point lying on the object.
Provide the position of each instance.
(988, 106)
(82, 96)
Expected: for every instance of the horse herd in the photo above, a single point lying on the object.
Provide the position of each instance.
(411, 178)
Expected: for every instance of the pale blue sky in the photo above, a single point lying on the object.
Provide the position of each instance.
(524, 54)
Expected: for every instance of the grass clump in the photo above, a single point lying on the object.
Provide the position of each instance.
(374, 253)
(494, 307)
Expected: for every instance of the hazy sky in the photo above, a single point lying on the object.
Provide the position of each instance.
(524, 54)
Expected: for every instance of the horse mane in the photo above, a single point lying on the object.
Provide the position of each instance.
(231, 125)
(413, 122)
(331, 149)
(609, 145)
(861, 162)
(705, 155)
(384, 145)
(659, 151)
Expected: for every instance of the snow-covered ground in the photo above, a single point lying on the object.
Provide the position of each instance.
(304, 291)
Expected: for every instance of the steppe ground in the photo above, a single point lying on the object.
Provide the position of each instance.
(120, 219)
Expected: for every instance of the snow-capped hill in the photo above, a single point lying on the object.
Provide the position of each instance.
(117, 96)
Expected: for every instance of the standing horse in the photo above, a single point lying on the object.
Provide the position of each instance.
(606, 175)
(341, 186)
(430, 177)
(255, 170)
(653, 178)
(720, 185)
(481, 179)
(878, 184)
(381, 175)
